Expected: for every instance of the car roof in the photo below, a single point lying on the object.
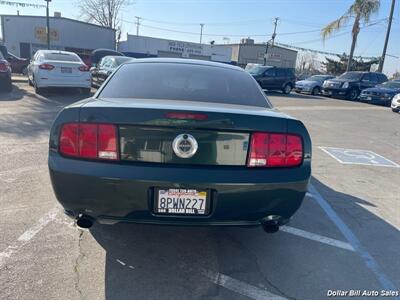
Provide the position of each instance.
(57, 52)
(184, 61)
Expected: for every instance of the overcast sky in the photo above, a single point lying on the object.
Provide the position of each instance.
(299, 24)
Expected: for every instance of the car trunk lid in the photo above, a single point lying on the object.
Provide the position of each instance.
(148, 128)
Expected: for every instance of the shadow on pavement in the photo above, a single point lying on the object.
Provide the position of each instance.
(165, 262)
(26, 114)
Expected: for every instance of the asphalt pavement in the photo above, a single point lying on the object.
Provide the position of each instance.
(344, 238)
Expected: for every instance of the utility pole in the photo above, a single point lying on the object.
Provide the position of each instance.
(137, 24)
(382, 60)
(272, 40)
(201, 31)
(48, 24)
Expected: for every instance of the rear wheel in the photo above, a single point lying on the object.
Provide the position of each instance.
(316, 91)
(7, 87)
(287, 89)
(38, 90)
(30, 82)
(353, 95)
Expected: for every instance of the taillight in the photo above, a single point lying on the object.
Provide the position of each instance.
(275, 150)
(88, 140)
(4, 67)
(48, 67)
(84, 68)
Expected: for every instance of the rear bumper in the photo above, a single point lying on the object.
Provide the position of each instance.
(113, 193)
(76, 83)
(340, 93)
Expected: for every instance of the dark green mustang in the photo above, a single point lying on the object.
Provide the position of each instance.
(179, 142)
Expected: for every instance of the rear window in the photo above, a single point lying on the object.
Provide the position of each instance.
(191, 82)
(61, 57)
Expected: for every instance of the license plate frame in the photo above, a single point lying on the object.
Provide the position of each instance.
(66, 70)
(179, 211)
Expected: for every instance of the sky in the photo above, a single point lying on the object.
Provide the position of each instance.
(225, 21)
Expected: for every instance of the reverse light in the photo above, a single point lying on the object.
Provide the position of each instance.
(48, 67)
(89, 140)
(275, 150)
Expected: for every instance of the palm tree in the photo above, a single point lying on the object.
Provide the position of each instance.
(361, 11)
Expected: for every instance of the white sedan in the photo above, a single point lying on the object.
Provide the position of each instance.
(53, 68)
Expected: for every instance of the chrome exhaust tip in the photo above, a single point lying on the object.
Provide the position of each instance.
(84, 221)
(270, 224)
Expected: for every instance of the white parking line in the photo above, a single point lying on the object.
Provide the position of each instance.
(369, 261)
(241, 287)
(317, 238)
(28, 235)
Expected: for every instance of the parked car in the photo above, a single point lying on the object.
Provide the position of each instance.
(5, 74)
(204, 148)
(18, 64)
(106, 66)
(3, 51)
(98, 54)
(50, 68)
(382, 93)
(350, 84)
(274, 78)
(396, 103)
(311, 85)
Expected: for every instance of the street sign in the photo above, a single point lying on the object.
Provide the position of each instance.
(358, 157)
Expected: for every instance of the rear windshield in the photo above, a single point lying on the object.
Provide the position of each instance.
(191, 82)
(61, 57)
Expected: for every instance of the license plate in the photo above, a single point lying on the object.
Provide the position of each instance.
(181, 201)
(329, 92)
(369, 98)
(66, 70)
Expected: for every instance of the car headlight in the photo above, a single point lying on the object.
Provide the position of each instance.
(345, 85)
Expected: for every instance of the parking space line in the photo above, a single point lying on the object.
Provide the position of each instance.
(241, 287)
(28, 235)
(317, 238)
(353, 240)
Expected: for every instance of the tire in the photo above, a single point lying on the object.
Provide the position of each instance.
(24, 71)
(315, 91)
(38, 90)
(353, 94)
(395, 110)
(30, 82)
(7, 87)
(287, 89)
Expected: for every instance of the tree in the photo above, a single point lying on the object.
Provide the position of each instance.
(102, 12)
(361, 11)
(337, 67)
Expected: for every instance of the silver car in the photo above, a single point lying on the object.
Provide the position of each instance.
(311, 85)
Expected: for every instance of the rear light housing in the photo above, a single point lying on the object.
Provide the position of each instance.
(89, 140)
(275, 150)
(48, 67)
(84, 68)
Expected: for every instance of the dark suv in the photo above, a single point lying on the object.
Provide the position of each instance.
(350, 84)
(274, 78)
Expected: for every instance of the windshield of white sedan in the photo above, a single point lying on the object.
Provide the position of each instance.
(191, 82)
(61, 57)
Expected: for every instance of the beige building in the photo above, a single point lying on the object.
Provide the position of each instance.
(249, 52)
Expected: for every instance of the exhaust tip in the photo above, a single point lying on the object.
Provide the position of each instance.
(270, 224)
(84, 221)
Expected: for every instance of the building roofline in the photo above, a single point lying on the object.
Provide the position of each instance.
(51, 17)
(170, 40)
(256, 44)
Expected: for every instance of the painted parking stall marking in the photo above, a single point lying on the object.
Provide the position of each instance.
(358, 157)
